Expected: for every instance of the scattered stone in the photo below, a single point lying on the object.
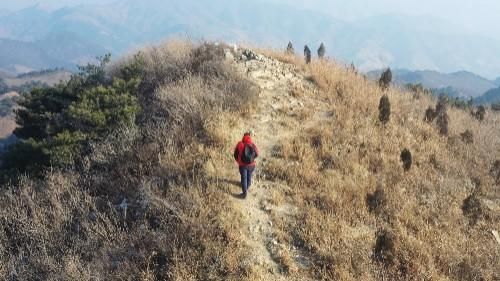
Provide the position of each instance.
(229, 56)
(249, 55)
(497, 237)
(490, 205)
(92, 216)
(123, 205)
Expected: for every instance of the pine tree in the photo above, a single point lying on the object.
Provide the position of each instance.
(385, 79)
(289, 49)
(307, 54)
(321, 51)
(384, 109)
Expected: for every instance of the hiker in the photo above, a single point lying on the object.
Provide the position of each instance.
(245, 153)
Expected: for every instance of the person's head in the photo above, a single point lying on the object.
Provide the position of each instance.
(247, 137)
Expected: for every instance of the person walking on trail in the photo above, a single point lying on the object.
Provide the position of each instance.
(245, 154)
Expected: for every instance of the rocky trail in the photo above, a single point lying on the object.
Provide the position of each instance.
(275, 119)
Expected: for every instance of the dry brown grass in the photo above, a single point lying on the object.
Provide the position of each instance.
(72, 225)
(361, 216)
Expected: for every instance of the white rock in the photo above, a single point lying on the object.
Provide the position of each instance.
(229, 56)
(123, 205)
(497, 237)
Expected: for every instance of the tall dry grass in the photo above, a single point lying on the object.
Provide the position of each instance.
(142, 206)
(362, 217)
(139, 206)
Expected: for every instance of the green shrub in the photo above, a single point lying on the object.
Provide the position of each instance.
(56, 123)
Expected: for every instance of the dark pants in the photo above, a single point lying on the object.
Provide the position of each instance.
(246, 178)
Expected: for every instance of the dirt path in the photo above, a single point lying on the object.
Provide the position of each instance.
(274, 119)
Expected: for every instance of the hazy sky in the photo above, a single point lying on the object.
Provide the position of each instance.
(476, 16)
(19, 4)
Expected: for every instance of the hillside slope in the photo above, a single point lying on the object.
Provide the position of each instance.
(330, 201)
(325, 159)
(491, 96)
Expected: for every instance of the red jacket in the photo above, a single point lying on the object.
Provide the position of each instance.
(239, 150)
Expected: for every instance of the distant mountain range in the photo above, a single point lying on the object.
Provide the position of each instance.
(491, 96)
(18, 57)
(458, 84)
(497, 81)
(73, 35)
(64, 49)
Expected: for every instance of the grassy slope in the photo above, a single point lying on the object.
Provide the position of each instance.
(72, 225)
(341, 163)
(323, 155)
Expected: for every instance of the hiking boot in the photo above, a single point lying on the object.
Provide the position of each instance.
(243, 195)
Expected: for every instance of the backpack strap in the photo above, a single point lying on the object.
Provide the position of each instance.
(236, 153)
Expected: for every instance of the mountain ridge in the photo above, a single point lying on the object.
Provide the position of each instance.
(463, 84)
(490, 97)
(338, 194)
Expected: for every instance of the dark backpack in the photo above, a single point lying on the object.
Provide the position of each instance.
(248, 156)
